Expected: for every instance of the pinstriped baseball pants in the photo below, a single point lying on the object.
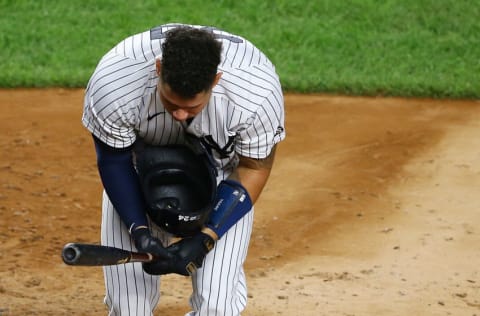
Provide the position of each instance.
(218, 288)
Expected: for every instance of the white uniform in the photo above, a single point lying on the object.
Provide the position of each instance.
(245, 116)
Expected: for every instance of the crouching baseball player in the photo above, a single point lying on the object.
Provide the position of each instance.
(185, 120)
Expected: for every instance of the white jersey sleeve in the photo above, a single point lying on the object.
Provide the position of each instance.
(116, 88)
(252, 87)
(265, 126)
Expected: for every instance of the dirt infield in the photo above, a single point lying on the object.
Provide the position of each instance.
(372, 209)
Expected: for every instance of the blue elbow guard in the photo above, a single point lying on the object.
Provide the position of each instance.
(231, 204)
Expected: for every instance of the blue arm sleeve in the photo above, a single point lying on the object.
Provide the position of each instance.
(231, 204)
(121, 183)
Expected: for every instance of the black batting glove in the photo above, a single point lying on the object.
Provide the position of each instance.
(145, 242)
(187, 256)
(190, 252)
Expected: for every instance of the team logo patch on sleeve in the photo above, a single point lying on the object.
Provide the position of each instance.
(279, 131)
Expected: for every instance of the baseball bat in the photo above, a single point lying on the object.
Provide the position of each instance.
(77, 254)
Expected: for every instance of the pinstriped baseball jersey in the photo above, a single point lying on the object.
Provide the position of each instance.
(244, 116)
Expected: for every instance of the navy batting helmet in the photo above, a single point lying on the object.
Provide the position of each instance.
(179, 186)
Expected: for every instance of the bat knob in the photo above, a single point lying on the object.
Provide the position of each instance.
(78, 254)
(70, 254)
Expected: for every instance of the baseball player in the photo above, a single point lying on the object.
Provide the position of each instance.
(155, 88)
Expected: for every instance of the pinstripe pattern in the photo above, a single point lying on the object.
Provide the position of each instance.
(129, 291)
(244, 116)
(223, 269)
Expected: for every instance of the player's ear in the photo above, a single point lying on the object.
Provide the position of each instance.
(217, 78)
(158, 65)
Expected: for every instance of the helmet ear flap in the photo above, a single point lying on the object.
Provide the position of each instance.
(179, 186)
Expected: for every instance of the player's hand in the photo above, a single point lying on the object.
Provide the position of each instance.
(190, 252)
(188, 255)
(145, 242)
(184, 257)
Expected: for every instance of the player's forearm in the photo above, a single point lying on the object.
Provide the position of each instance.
(254, 173)
(236, 196)
(253, 180)
(120, 181)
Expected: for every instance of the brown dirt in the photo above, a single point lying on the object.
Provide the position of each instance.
(372, 209)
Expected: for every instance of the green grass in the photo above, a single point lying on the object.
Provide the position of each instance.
(422, 48)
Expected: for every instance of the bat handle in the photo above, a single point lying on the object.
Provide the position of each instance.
(141, 257)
